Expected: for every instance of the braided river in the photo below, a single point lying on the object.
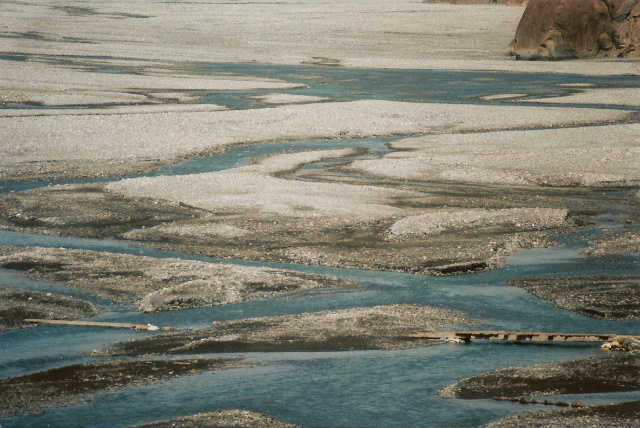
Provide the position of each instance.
(372, 388)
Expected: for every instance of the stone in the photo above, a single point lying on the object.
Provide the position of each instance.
(502, 398)
(560, 29)
(526, 400)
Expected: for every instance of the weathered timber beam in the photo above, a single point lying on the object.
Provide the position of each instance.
(94, 324)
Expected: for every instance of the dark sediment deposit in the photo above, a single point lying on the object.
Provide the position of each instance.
(17, 305)
(609, 374)
(378, 327)
(622, 415)
(158, 284)
(601, 296)
(605, 374)
(63, 386)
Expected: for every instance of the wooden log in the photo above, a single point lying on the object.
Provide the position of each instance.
(95, 324)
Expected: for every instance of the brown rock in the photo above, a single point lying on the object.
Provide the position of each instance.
(557, 29)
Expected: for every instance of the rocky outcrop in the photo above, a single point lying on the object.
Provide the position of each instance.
(507, 2)
(559, 29)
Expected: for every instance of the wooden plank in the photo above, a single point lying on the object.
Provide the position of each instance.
(520, 336)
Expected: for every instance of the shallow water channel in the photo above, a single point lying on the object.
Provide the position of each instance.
(335, 389)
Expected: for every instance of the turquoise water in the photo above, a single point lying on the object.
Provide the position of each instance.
(333, 389)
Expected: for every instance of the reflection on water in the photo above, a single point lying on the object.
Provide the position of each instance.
(342, 389)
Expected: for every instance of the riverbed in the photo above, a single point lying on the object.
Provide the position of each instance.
(385, 149)
(354, 388)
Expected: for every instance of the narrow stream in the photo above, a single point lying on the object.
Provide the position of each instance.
(333, 389)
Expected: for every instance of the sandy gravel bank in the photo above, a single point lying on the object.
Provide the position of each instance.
(607, 374)
(378, 327)
(18, 305)
(275, 99)
(118, 144)
(322, 223)
(260, 212)
(221, 419)
(69, 385)
(607, 297)
(585, 156)
(376, 33)
(603, 374)
(612, 416)
(157, 284)
(607, 96)
(625, 243)
(47, 83)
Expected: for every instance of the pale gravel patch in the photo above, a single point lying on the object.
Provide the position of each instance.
(254, 189)
(291, 161)
(603, 96)
(60, 85)
(209, 230)
(586, 67)
(171, 135)
(287, 98)
(283, 32)
(443, 220)
(499, 97)
(597, 156)
(115, 110)
(73, 97)
(176, 97)
(365, 34)
(221, 419)
(428, 167)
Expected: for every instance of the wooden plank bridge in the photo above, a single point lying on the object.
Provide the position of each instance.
(533, 336)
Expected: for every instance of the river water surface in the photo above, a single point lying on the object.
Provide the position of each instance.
(336, 389)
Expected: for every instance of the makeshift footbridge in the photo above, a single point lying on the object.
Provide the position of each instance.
(533, 336)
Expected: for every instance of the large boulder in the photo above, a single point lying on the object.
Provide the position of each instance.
(558, 29)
